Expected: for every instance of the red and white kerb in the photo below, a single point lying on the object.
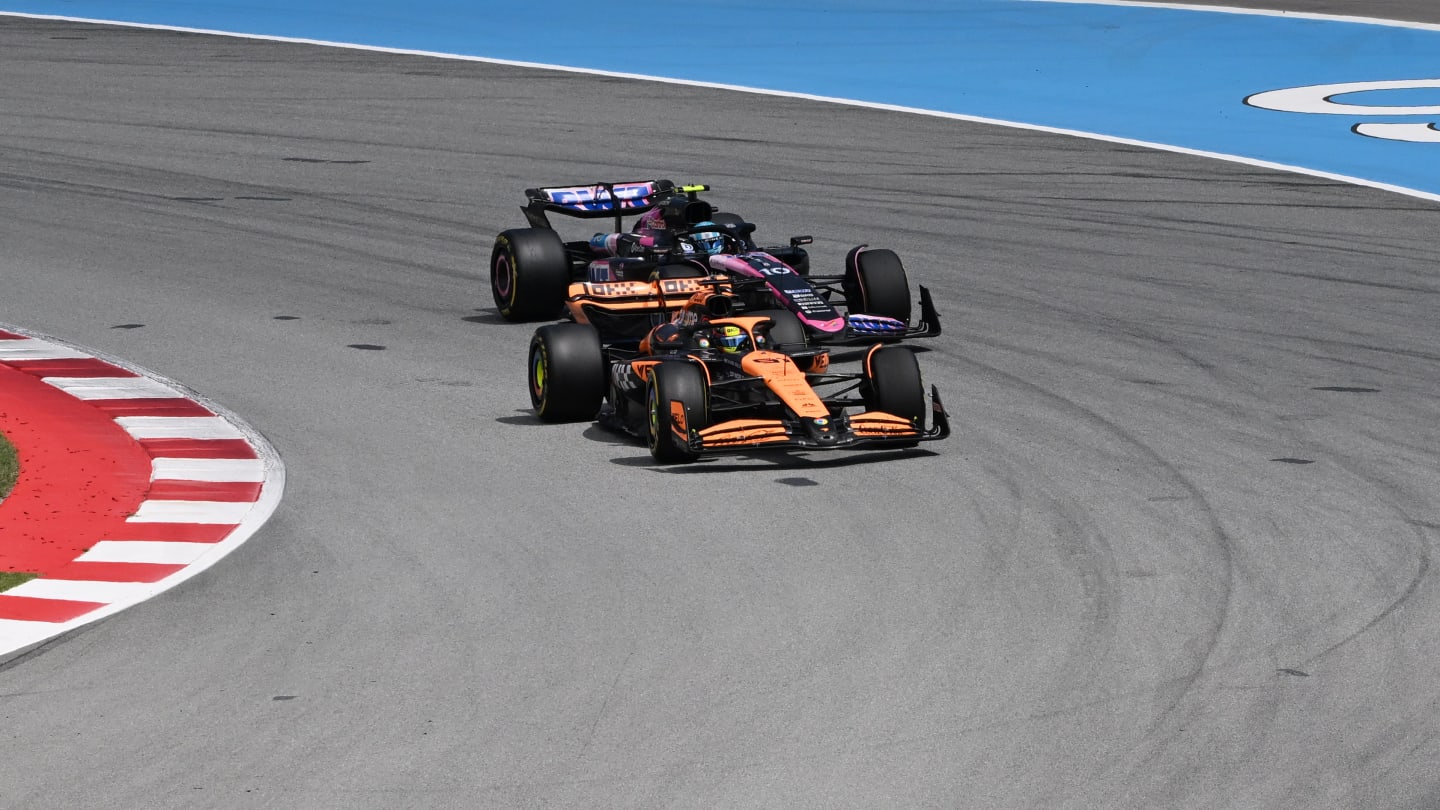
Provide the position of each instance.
(129, 485)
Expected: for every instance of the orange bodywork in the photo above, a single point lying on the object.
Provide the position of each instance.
(662, 295)
(879, 423)
(819, 364)
(869, 372)
(612, 289)
(642, 367)
(744, 432)
(786, 379)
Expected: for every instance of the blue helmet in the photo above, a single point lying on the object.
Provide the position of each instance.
(710, 242)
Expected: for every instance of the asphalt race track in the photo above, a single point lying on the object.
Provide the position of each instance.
(1178, 553)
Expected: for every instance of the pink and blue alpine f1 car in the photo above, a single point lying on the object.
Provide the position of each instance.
(537, 275)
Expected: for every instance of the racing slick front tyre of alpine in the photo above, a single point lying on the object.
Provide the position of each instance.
(893, 385)
(568, 377)
(529, 274)
(677, 402)
(875, 283)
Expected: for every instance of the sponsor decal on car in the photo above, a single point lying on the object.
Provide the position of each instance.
(598, 198)
(677, 419)
(616, 288)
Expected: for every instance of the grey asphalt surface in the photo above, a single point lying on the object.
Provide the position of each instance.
(1421, 11)
(1178, 553)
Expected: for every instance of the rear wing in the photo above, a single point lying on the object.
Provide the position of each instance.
(601, 200)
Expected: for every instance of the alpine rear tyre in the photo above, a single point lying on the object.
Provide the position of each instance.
(529, 274)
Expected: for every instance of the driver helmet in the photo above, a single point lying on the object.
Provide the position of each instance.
(732, 338)
(711, 242)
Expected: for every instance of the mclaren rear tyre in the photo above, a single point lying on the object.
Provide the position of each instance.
(568, 377)
(728, 220)
(672, 271)
(529, 274)
(875, 283)
(787, 333)
(893, 384)
(678, 402)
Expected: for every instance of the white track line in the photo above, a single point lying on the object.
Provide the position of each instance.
(19, 635)
(1250, 12)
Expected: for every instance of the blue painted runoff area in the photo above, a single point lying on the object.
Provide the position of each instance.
(1162, 75)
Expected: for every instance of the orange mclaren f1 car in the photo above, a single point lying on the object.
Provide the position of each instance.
(713, 381)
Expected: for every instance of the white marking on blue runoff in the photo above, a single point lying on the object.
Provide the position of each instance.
(1325, 99)
(1415, 133)
(1177, 76)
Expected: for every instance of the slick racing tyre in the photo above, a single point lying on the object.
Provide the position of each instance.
(677, 401)
(529, 274)
(568, 376)
(875, 283)
(787, 333)
(893, 385)
(737, 230)
(671, 271)
(728, 220)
